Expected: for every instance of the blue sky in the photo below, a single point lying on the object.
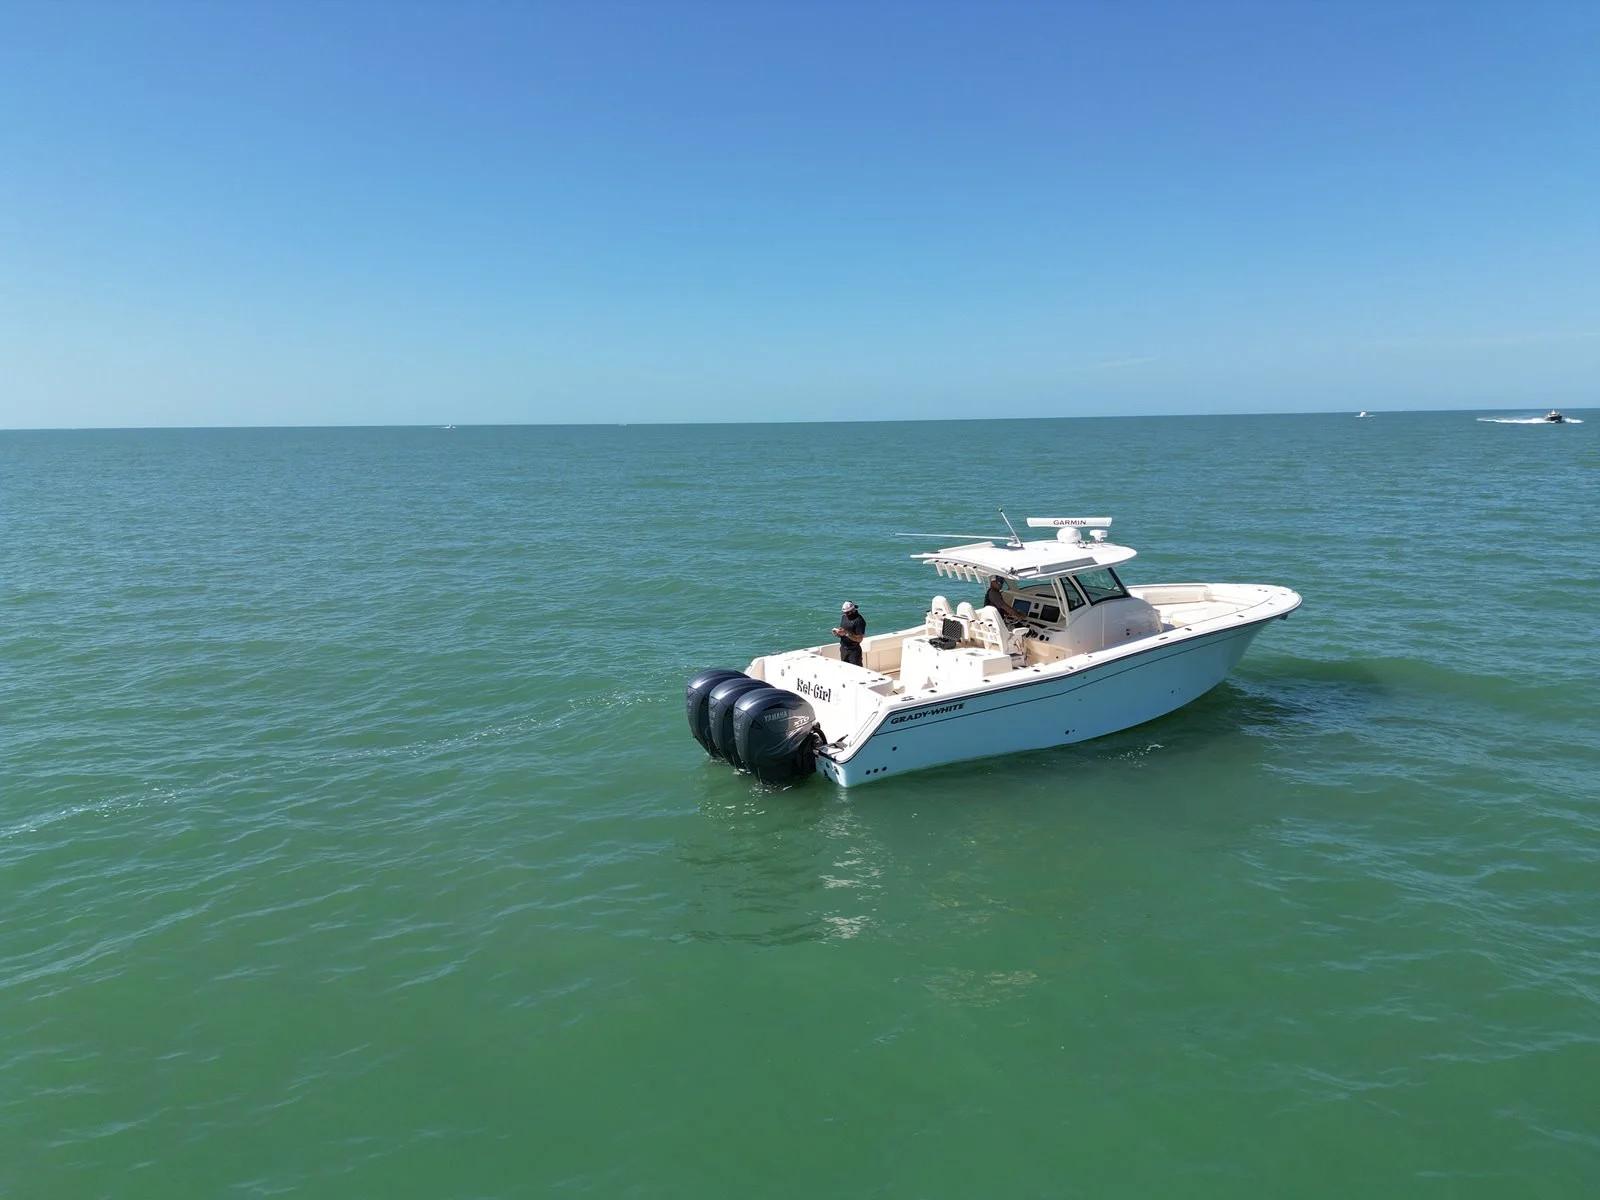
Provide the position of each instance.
(236, 213)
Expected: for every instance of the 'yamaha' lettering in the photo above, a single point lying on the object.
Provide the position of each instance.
(926, 712)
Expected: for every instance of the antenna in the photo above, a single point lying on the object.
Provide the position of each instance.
(977, 537)
(1015, 540)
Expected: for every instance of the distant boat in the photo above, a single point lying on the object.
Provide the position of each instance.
(1553, 417)
(1363, 413)
(447, 427)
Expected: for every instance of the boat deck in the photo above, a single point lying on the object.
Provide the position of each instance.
(1177, 616)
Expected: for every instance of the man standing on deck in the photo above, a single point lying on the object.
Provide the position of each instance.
(851, 629)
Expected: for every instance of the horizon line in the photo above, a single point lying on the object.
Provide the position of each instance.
(1321, 412)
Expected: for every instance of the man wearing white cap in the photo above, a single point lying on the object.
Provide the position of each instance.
(852, 627)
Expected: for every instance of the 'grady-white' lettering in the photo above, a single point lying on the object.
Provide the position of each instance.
(926, 712)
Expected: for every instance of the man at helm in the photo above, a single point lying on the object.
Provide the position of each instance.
(852, 627)
(994, 599)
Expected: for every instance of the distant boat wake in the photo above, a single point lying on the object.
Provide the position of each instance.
(1529, 421)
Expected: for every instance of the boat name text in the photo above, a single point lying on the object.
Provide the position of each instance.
(815, 690)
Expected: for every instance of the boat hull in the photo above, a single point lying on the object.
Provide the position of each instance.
(1054, 711)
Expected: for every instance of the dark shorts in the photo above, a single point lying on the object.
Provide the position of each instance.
(851, 654)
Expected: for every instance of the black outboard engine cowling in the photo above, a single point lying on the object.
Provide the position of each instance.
(719, 715)
(775, 735)
(697, 704)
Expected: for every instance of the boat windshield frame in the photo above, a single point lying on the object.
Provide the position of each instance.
(1097, 596)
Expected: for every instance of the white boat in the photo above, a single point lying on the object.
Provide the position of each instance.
(1555, 418)
(1089, 656)
(1363, 413)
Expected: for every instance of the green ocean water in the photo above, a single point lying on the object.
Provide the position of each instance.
(352, 843)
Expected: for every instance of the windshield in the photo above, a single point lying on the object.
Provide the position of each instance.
(1101, 585)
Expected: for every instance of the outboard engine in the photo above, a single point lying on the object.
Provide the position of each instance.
(697, 704)
(775, 734)
(719, 715)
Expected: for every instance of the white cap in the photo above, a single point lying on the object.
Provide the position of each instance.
(847, 606)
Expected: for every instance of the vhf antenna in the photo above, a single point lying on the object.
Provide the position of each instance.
(1016, 542)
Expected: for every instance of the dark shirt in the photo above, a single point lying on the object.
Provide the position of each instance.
(1007, 614)
(852, 622)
